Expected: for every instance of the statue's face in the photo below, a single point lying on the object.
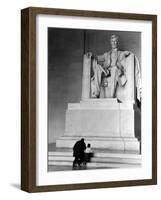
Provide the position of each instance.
(114, 43)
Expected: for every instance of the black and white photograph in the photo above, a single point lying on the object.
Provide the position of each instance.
(94, 99)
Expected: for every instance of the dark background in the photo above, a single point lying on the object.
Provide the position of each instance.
(65, 61)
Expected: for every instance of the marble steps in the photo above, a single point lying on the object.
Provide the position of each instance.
(110, 143)
(100, 159)
(97, 153)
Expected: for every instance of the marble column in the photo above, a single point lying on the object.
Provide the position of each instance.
(86, 77)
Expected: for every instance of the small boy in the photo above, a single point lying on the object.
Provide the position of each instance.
(88, 153)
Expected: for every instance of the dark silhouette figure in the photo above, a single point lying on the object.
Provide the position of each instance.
(78, 152)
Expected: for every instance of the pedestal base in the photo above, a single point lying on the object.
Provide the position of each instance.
(104, 123)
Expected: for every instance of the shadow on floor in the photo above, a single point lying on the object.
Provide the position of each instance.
(16, 185)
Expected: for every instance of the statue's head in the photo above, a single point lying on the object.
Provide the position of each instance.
(114, 40)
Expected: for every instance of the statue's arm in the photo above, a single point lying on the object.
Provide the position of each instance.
(100, 58)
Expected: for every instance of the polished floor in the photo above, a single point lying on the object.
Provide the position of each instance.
(52, 168)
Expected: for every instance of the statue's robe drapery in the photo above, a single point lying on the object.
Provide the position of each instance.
(127, 86)
(96, 79)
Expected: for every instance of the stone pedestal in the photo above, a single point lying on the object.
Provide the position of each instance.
(104, 123)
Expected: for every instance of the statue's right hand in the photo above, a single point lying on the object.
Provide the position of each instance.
(89, 54)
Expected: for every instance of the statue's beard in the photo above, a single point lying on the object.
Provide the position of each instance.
(114, 47)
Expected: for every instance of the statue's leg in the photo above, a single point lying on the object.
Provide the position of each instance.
(107, 88)
(102, 92)
(113, 80)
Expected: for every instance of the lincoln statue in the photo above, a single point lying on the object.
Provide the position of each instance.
(114, 74)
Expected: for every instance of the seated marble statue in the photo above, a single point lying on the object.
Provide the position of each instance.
(115, 74)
